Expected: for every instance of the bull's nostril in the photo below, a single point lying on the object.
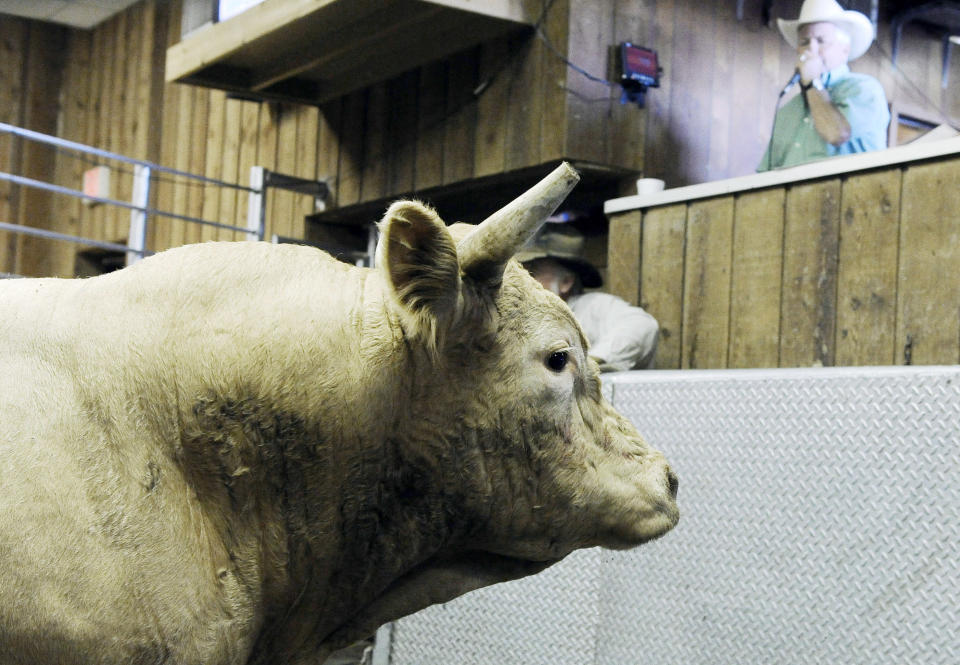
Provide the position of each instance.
(673, 483)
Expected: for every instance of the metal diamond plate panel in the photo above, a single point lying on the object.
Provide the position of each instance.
(820, 524)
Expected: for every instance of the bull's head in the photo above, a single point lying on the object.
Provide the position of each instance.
(504, 411)
(552, 467)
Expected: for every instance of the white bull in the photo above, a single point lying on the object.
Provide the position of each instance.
(249, 453)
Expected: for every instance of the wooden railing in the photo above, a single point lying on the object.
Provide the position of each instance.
(849, 261)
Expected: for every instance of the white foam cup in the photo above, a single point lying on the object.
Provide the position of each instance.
(649, 185)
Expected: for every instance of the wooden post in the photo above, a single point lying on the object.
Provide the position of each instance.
(867, 270)
(661, 277)
(706, 284)
(623, 256)
(755, 282)
(928, 292)
(808, 318)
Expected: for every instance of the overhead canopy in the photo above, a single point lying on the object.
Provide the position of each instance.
(312, 51)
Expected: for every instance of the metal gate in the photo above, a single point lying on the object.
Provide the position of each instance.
(820, 523)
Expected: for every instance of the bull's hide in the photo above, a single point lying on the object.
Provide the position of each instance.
(242, 452)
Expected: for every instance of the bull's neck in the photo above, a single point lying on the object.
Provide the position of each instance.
(349, 501)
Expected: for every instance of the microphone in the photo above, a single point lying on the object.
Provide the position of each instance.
(792, 82)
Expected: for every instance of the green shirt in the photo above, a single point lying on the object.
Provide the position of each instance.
(860, 98)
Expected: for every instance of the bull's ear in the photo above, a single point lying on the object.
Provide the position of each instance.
(418, 258)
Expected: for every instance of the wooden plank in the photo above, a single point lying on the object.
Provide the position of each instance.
(431, 113)
(305, 165)
(213, 163)
(93, 85)
(755, 282)
(69, 168)
(118, 219)
(402, 132)
(264, 22)
(721, 99)
(623, 256)
(159, 230)
(631, 20)
(660, 144)
(525, 104)
(150, 83)
(282, 203)
(928, 290)
(43, 71)
(169, 149)
(278, 27)
(171, 232)
(169, 137)
(690, 106)
(13, 35)
(590, 34)
(811, 239)
(461, 122)
(376, 149)
(337, 46)
(107, 66)
(137, 95)
(267, 149)
(328, 147)
(751, 95)
(444, 39)
(551, 111)
(230, 168)
(199, 106)
(351, 148)
(706, 284)
(488, 152)
(867, 270)
(249, 146)
(661, 277)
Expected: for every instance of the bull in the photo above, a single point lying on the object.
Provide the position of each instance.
(251, 453)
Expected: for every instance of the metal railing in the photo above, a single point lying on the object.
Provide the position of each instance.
(261, 180)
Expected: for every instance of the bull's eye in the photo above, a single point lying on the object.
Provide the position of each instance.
(558, 360)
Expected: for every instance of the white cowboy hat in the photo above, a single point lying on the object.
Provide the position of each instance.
(853, 23)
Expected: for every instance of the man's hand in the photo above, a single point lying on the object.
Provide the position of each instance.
(830, 124)
(810, 66)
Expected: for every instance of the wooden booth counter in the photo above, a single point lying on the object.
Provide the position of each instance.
(848, 261)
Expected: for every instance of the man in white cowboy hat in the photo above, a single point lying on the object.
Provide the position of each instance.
(837, 112)
(621, 336)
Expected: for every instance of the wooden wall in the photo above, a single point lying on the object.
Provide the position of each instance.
(31, 60)
(429, 127)
(854, 270)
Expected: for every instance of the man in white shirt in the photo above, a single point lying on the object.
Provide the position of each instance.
(621, 336)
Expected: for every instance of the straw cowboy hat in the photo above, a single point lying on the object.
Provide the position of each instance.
(564, 245)
(853, 23)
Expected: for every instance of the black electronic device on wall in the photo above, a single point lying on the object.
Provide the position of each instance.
(639, 70)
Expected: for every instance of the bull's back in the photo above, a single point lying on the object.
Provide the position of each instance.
(99, 532)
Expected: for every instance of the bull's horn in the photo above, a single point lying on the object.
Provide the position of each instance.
(485, 251)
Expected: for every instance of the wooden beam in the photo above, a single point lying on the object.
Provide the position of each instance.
(808, 318)
(928, 293)
(623, 256)
(661, 278)
(867, 270)
(706, 284)
(755, 283)
(338, 45)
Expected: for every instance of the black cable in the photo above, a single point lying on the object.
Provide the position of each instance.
(538, 28)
